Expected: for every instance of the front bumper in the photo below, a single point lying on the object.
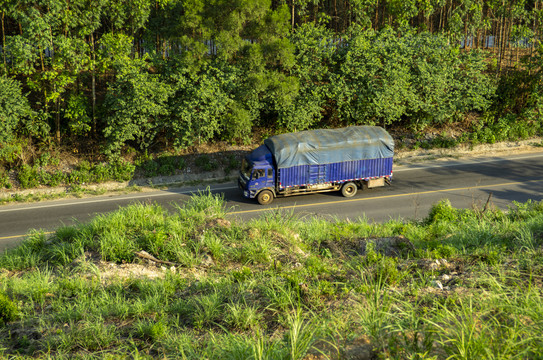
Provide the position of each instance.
(242, 186)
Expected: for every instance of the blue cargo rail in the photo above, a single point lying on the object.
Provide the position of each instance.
(317, 161)
(304, 175)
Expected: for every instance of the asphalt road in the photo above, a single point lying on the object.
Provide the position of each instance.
(414, 189)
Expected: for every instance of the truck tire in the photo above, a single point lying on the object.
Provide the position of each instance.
(349, 189)
(265, 197)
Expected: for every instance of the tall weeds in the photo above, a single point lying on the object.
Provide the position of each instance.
(471, 288)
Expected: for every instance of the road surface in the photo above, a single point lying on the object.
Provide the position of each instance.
(414, 189)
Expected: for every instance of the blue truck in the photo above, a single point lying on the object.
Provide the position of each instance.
(321, 160)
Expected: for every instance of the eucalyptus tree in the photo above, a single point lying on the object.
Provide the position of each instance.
(51, 50)
(383, 78)
(16, 118)
(245, 45)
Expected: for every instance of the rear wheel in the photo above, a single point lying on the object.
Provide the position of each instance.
(349, 189)
(265, 197)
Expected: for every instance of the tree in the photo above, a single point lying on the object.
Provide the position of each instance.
(198, 105)
(136, 104)
(15, 117)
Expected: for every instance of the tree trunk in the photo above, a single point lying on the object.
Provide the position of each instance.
(57, 121)
(509, 47)
(500, 44)
(93, 71)
(376, 15)
(466, 32)
(441, 19)
(4, 45)
(336, 19)
(292, 20)
(157, 36)
(532, 45)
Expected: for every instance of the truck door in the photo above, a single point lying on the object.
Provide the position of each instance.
(270, 178)
(263, 178)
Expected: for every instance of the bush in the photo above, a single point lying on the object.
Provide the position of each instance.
(14, 107)
(122, 170)
(231, 164)
(4, 179)
(28, 177)
(150, 168)
(136, 103)
(8, 310)
(205, 163)
(101, 172)
(167, 165)
(442, 211)
(77, 177)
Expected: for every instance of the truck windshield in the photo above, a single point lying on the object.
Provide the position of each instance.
(246, 168)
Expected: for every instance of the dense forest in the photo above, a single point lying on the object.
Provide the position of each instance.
(141, 75)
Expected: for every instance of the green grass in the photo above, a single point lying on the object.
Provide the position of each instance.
(461, 284)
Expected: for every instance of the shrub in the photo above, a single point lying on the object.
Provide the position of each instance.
(150, 168)
(205, 163)
(442, 211)
(167, 165)
(101, 172)
(231, 164)
(8, 310)
(78, 177)
(28, 177)
(4, 180)
(14, 107)
(122, 170)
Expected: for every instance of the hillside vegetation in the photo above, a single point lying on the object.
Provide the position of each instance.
(196, 284)
(95, 83)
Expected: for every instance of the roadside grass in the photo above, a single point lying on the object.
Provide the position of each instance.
(72, 192)
(145, 283)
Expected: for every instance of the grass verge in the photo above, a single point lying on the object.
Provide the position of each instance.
(145, 283)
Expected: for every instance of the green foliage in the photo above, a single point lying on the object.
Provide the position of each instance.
(15, 115)
(237, 123)
(136, 104)
(198, 104)
(231, 163)
(164, 165)
(205, 163)
(122, 170)
(194, 71)
(28, 176)
(5, 182)
(383, 78)
(441, 212)
(90, 336)
(314, 51)
(507, 128)
(8, 309)
(243, 317)
(151, 330)
(14, 111)
(77, 114)
(293, 305)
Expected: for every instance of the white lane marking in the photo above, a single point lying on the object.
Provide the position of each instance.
(114, 198)
(165, 193)
(415, 167)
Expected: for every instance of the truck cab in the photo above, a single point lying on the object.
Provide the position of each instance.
(257, 176)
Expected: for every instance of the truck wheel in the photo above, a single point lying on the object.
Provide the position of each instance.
(265, 197)
(349, 189)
